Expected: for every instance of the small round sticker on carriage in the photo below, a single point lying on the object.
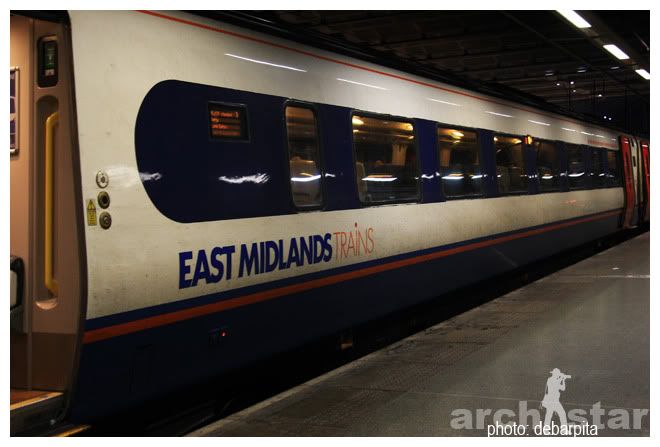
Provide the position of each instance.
(102, 179)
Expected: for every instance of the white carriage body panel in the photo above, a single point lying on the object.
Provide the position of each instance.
(120, 56)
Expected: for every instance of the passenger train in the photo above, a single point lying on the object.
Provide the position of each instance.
(189, 197)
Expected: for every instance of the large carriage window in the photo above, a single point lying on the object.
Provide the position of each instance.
(548, 165)
(385, 159)
(613, 169)
(304, 159)
(458, 151)
(576, 171)
(597, 171)
(511, 176)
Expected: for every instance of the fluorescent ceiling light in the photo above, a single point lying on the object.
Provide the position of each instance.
(574, 18)
(444, 102)
(643, 73)
(360, 83)
(499, 114)
(568, 130)
(265, 63)
(539, 122)
(616, 51)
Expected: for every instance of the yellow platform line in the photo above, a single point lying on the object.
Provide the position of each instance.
(34, 400)
(72, 431)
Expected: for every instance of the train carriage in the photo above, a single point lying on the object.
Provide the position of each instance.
(188, 197)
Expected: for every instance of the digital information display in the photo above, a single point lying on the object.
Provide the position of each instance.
(227, 122)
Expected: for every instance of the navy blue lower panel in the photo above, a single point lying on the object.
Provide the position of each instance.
(123, 371)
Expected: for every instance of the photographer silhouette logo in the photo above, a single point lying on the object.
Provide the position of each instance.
(530, 421)
(555, 384)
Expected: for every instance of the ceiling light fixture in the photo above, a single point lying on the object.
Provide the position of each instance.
(574, 18)
(616, 51)
(643, 73)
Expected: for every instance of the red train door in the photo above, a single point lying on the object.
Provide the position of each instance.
(627, 182)
(645, 172)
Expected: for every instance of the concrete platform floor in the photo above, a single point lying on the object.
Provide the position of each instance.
(590, 320)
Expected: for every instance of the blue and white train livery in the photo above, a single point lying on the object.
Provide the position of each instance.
(177, 178)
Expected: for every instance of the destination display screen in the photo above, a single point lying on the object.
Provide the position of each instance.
(227, 122)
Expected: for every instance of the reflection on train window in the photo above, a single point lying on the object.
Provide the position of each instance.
(577, 176)
(511, 176)
(597, 169)
(613, 169)
(458, 151)
(385, 159)
(548, 165)
(304, 159)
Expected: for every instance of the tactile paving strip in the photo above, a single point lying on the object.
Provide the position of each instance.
(492, 319)
(332, 406)
(464, 334)
(418, 351)
(389, 376)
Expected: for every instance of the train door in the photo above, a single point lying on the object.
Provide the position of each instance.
(646, 183)
(628, 182)
(45, 232)
(636, 159)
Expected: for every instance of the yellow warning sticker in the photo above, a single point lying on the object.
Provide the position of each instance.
(91, 212)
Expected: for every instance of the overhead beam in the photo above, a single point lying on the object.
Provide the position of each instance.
(462, 36)
(372, 19)
(534, 66)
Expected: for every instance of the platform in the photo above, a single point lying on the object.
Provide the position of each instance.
(590, 320)
(26, 407)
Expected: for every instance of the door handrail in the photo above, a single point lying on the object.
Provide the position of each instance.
(50, 282)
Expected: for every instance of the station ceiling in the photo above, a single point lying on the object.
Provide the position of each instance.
(537, 53)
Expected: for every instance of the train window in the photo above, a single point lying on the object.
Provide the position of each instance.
(511, 176)
(304, 157)
(385, 159)
(597, 169)
(548, 165)
(576, 171)
(228, 122)
(613, 169)
(458, 152)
